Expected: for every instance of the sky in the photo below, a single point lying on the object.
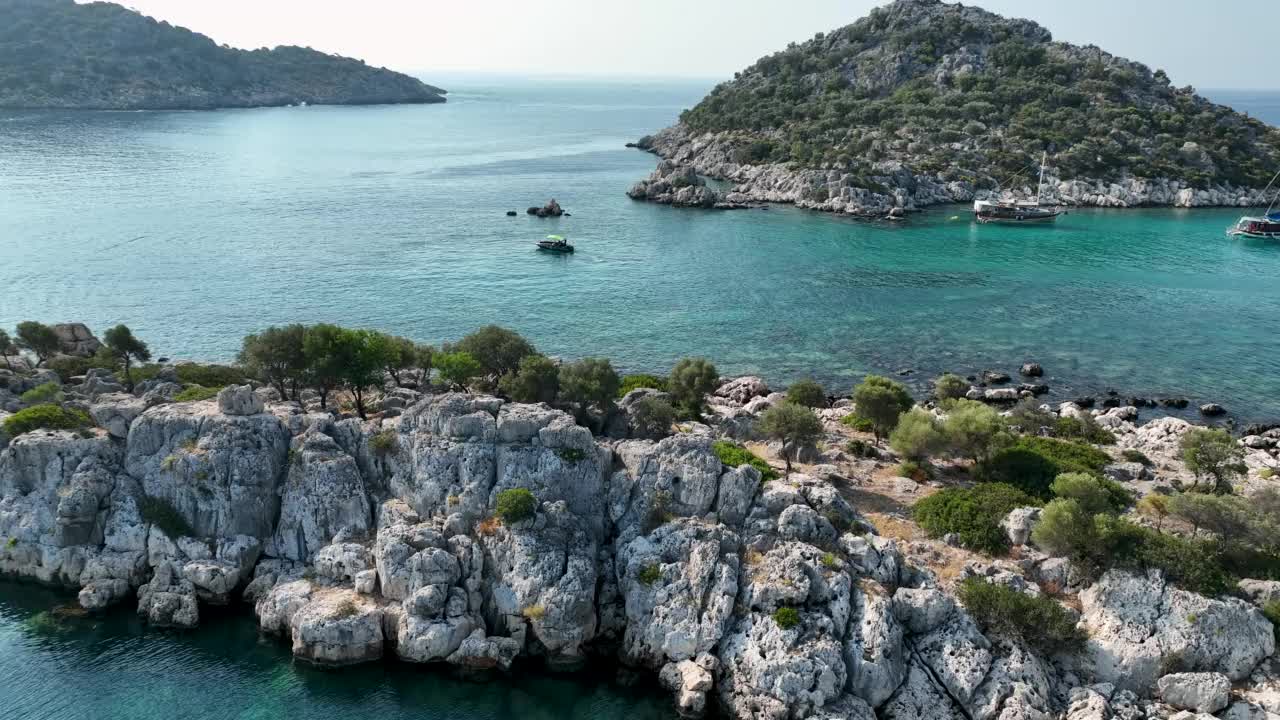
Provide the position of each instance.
(1205, 43)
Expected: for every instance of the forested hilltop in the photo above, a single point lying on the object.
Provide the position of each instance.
(59, 54)
(957, 94)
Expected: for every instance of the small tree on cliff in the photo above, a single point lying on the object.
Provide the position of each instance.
(497, 349)
(363, 357)
(424, 357)
(1213, 454)
(537, 380)
(322, 348)
(38, 338)
(458, 369)
(402, 355)
(882, 401)
(590, 381)
(277, 356)
(7, 348)
(690, 382)
(795, 426)
(126, 348)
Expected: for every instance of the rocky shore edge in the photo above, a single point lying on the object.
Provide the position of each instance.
(461, 528)
(689, 157)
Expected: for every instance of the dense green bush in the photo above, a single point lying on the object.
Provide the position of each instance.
(972, 513)
(691, 380)
(808, 393)
(384, 443)
(971, 428)
(917, 436)
(882, 401)
(1083, 427)
(635, 382)
(164, 515)
(950, 387)
(1131, 455)
(786, 617)
(69, 366)
(45, 417)
(457, 368)
(217, 376)
(857, 422)
(734, 455)
(1096, 495)
(649, 574)
(497, 349)
(516, 504)
(196, 393)
(1032, 463)
(1272, 612)
(652, 418)
(1037, 620)
(537, 380)
(590, 381)
(49, 392)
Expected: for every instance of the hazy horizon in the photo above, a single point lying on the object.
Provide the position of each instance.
(1195, 42)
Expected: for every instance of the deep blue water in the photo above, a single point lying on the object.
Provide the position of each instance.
(197, 228)
(54, 667)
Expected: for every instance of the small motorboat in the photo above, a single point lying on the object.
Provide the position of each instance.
(555, 244)
(1266, 227)
(1009, 211)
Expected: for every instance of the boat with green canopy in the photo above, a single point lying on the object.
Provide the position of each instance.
(555, 244)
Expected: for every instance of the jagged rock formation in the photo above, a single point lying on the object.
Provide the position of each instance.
(61, 54)
(925, 102)
(651, 552)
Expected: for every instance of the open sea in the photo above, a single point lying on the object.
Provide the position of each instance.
(196, 228)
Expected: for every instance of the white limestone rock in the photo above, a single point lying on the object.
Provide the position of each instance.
(116, 412)
(1200, 692)
(1137, 623)
(324, 494)
(239, 400)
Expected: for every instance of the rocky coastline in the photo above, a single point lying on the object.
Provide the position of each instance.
(754, 594)
(689, 157)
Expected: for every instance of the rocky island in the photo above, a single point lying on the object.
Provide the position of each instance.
(924, 102)
(764, 554)
(101, 56)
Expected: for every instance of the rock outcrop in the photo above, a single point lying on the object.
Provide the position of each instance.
(764, 600)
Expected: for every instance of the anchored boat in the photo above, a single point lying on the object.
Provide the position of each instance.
(1266, 227)
(1009, 211)
(555, 244)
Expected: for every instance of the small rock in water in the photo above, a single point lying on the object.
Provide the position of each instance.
(1175, 402)
(1034, 388)
(511, 213)
(994, 377)
(1212, 410)
(1084, 402)
(1031, 369)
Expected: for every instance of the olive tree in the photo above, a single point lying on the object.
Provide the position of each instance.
(807, 392)
(363, 356)
(590, 381)
(39, 339)
(278, 357)
(950, 387)
(458, 369)
(692, 379)
(322, 348)
(971, 428)
(497, 349)
(1215, 455)
(126, 348)
(424, 357)
(402, 355)
(7, 348)
(537, 380)
(881, 401)
(795, 426)
(917, 436)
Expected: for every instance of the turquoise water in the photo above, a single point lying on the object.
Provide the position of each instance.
(196, 228)
(113, 668)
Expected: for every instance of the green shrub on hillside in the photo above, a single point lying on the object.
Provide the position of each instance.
(917, 436)
(1096, 495)
(1032, 463)
(196, 393)
(972, 513)
(635, 382)
(1037, 620)
(786, 617)
(733, 455)
(808, 393)
(49, 392)
(516, 504)
(1083, 427)
(45, 417)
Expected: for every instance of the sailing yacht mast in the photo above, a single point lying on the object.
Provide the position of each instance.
(1040, 187)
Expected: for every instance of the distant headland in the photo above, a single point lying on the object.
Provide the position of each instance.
(58, 54)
